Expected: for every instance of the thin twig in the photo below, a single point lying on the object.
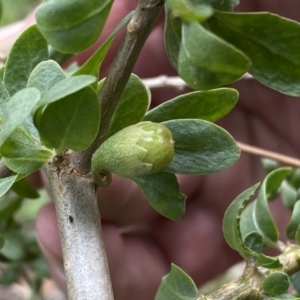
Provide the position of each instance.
(291, 161)
(176, 82)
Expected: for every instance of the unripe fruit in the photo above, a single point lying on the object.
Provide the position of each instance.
(72, 26)
(136, 150)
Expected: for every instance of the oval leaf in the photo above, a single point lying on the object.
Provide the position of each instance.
(268, 262)
(276, 283)
(269, 164)
(14, 248)
(28, 50)
(162, 192)
(295, 179)
(45, 75)
(72, 26)
(295, 281)
(288, 195)
(294, 222)
(263, 220)
(132, 106)
(231, 222)
(72, 122)
(254, 242)
(177, 285)
(17, 109)
(65, 88)
(2, 241)
(4, 97)
(8, 205)
(6, 183)
(19, 144)
(201, 147)
(246, 221)
(206, 105)
(270, 41)
(297, 235)
(24, 189)
(29, 163)
(22, 154)
(206, 61)
(172, 37)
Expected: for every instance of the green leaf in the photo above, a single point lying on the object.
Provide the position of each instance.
(285, 296)
(28, 50)
(72, 26)
(201, 147)
(297, 235)
(294, 222)
(45, 75)
(162, 192)
(65, 88)
(295, 281)
(2, 241)
(288, 195)
(231, 222)
(6, 183)
(268, 262)
(8, 205)
(206, 61)
(172, 37)
(22, 154)
(246, 222)
(206, 105)
(4, 97)
(29, 163)
(276, 283)
(270, 41)
(17, 109)
(263, 220)
(177, 285)
(295, 179)
(72, 122)
(24, 189)
(10, 275)
(14, 248)
(132, 106)
(2, 69)
(93, 64)
(253, 241)
(19, 144)
(269, 164)
(190, 10)
(224, 5)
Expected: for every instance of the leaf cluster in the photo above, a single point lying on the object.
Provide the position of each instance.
(46, 112)
(249, 228)
(20, 255)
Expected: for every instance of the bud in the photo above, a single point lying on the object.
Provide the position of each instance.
(136, 150)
